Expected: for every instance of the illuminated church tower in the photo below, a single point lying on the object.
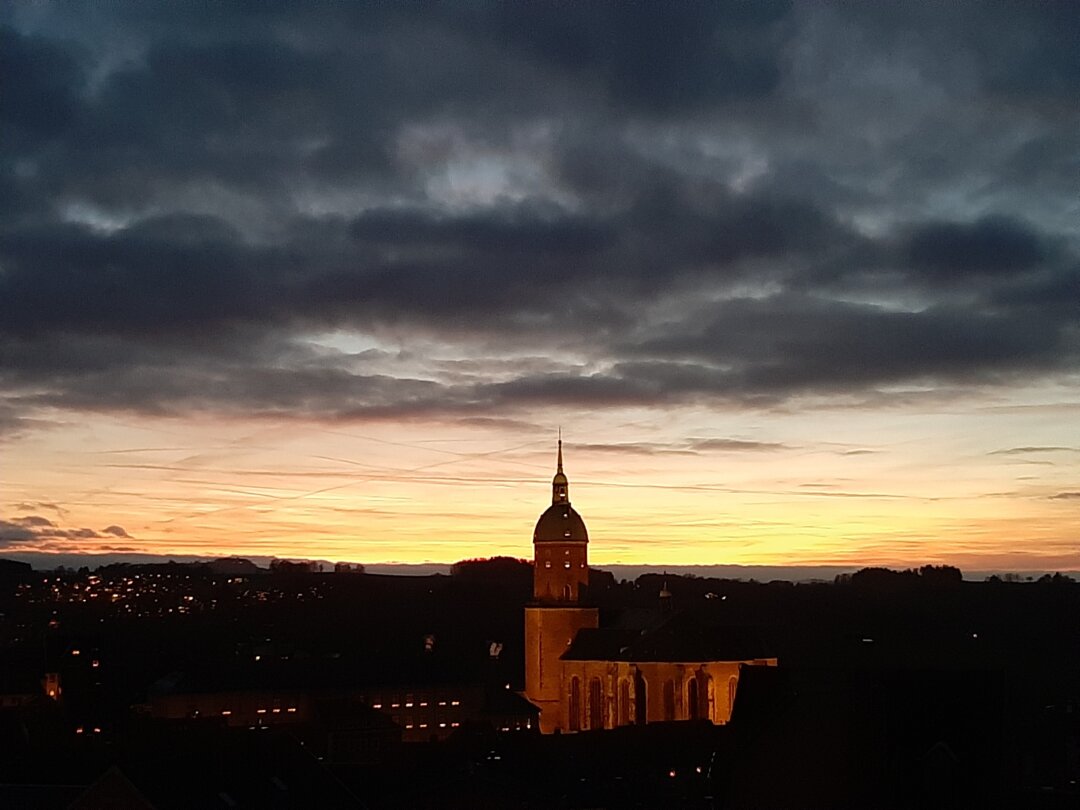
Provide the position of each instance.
(557, 612)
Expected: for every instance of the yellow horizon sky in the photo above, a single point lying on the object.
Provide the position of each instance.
(824, 485)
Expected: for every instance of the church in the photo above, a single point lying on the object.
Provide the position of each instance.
(662, 667)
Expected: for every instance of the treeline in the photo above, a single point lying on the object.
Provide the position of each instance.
(936, 575)
(939, 575)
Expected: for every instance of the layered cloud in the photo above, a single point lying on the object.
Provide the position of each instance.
(36, 532)
(320, 212)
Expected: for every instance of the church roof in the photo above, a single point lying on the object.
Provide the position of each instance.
(691, 636)
(560, 523)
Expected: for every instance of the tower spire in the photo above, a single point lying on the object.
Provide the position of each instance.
(559, 485)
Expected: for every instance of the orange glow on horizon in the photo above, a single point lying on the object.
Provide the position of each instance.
(652, 494)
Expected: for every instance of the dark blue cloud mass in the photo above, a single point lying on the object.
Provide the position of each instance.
(707, 203)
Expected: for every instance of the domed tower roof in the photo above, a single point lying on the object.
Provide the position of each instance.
(560, 523)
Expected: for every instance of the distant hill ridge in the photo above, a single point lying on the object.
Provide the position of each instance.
(17, 564)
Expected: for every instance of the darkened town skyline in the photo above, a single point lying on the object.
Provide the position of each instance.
(800, 282)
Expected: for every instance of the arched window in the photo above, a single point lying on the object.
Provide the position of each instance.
(567, 593)
(669, 699)
(624, 702)
(575, 704)
(641, 700)
(596, 703)
(692, 707)
(697, 697)
(731, 684)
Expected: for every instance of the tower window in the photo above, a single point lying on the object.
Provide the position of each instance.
(566, 564)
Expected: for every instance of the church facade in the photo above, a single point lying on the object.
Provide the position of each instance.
(662, 667)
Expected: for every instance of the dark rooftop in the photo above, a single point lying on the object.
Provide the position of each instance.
(701, 634)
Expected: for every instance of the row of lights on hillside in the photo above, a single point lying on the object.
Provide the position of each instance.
(288, 710)
(422, 705)
(425, 725)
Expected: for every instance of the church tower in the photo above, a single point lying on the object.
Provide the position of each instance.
(560, 547)
(558, 609)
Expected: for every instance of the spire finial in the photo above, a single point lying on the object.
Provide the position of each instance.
(559, 468)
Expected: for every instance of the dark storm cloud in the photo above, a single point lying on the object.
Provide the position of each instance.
(708, 203)
(654, 58)
(800, 342)
(45, 99)
(36, 530)
(989, 246)
(12, 533)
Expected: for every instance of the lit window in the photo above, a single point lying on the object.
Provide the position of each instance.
(566, 564)
(395, 705)
(291, 710)
(277, 711)
(442, 725)
(408, 725)
(408, 705)
(423, 704)
(423, 725)
(547, 564)
(442, 702)
(226, 713)
(455, 702)
(454, 725)
(376, 705)
(260, 711)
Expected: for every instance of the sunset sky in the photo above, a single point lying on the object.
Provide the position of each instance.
(799, 282)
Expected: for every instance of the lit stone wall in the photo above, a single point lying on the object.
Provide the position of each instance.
(560, 571)
(548, 632)
(650, 691)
